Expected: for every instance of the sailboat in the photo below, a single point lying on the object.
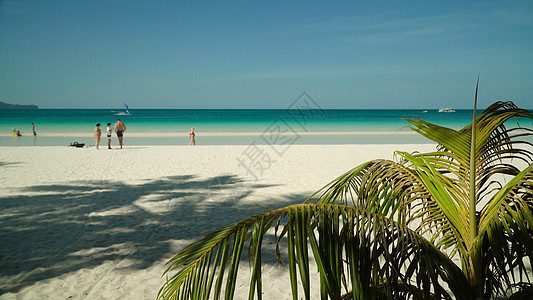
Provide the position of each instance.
(124, 113)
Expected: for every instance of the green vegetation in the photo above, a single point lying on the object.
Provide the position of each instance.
(7, 106)
(395, 229)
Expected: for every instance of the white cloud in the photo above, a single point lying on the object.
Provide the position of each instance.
(391, 28)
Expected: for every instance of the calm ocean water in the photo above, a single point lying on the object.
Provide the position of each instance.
(170, 127)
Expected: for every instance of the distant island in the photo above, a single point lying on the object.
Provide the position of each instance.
(8, 106)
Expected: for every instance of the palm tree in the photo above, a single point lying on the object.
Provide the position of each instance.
(395, 229)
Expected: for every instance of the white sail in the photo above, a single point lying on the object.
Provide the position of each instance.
(124, 113)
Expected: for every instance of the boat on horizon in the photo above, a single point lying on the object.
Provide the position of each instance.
(446, 110)
(124, 113)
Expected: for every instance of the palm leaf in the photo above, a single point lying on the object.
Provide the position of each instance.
(335, 234)
(381, 229)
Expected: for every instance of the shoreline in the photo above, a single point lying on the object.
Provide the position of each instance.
(273, 137)
(216, 134)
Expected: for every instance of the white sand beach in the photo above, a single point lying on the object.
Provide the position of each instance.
(81, 223)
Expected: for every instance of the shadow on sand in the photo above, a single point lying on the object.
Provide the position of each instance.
(57, 229)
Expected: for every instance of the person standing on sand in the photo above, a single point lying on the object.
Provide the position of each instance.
(97, 134)
(191, 136)
(119, 129)
(108, 130)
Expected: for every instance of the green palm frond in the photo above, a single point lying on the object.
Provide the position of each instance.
(494, 141)
(390, 229)
(349, 246)
(441, 179)
(490, 124)
(411, 191)
(507, 225)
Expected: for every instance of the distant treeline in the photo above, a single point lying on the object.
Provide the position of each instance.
(17, 106)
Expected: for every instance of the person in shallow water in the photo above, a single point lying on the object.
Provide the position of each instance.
(192, 137)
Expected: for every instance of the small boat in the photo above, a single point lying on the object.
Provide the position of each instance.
(446, 110)
(124, 113)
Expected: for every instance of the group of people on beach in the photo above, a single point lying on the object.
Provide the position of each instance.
(18, 133)
(119, 128)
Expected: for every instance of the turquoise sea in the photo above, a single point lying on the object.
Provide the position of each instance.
(58, 127)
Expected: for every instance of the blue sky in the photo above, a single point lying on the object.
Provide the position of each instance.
(228, 54)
